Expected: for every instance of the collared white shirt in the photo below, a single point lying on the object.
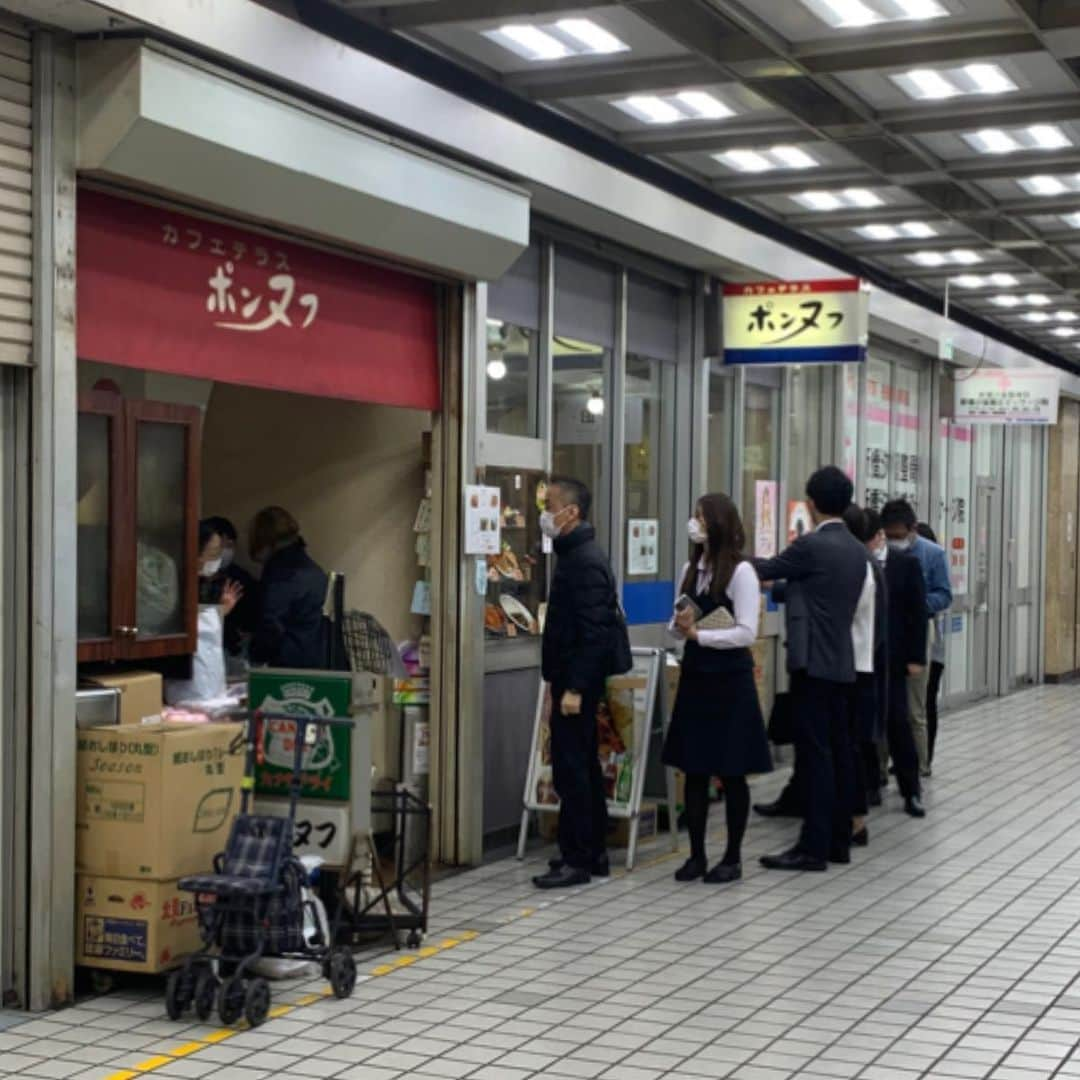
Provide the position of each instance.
(744, 591)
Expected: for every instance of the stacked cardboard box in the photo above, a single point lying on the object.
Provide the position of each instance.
(155, 802)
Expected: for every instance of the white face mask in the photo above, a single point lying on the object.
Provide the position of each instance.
(209, 569)
(901, 545)
(549, 525)
(696, 531)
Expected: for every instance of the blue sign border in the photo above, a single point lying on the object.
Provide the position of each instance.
(826, 354)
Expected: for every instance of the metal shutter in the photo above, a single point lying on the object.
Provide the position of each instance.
(16, 143)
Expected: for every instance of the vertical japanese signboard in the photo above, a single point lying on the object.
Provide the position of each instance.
(320, 695)
(1007, 397)
(796, 322)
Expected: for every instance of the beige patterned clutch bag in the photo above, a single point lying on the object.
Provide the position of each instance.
(717, 619)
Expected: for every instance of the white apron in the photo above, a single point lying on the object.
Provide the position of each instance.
(207, 682)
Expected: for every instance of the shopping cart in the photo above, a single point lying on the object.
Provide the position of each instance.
(254, 904)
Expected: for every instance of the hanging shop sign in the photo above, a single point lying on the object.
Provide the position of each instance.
(796, 322)
(1007, 397)
(167, 292)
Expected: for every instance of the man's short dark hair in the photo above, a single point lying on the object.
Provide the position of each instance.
(831, 490)
(224, 528)
(873, 523)
(855, 520)
(899, 512)
(575, 492)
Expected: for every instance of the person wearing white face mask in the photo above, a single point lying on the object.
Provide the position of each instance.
(716, 725)
(242, 621)
(207, 682)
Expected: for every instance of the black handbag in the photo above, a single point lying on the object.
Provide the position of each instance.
(622, 659)
(781, 729)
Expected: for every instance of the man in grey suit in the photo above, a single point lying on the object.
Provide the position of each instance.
(827, 569)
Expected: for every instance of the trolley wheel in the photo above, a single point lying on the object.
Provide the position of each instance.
(414, 939)
(257, 1002)
(179, 993)
(207, 988)
(231, 1000)
(341, 971)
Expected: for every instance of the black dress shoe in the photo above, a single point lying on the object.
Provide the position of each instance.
(563, 878)
(793, 860)
(840, 856)
(722, 873)
(691, 870)
(914, 807)
(600, 868)
(861, 838)
(779, 808)
(873, 796)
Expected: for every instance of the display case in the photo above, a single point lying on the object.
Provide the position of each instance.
(517, 576)
(138, 470)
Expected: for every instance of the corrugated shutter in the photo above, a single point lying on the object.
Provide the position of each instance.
(16, 146)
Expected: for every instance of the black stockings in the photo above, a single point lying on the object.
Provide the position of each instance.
(737, 805)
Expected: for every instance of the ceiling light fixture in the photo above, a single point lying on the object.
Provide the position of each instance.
(1037, 317)
(1043, 185)
(595, 404)
(862, 198)
(1004, 281)
(930, 84)
(918, 230)
(878, 232)
(1064, 331)
(1036, 299)
(851, 14)
(594, 38)
(1006, 301)
(1048, 137)
(651, 109)
(496, 370)
(958, 256)
(1065, 316)
(926, 84)
(1072, 220)
(969, 281)
(992, 141)
(921, 9)
(705, 105)
(748, 161)
(818, 200)
(529, 42)
(989, 79)
(1035, 137)
(793, 157)
(852, 198)
(929, 258)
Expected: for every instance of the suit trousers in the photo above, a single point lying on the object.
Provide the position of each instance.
(900, 734)
(917, 687)
(579, 781)
(827, 770)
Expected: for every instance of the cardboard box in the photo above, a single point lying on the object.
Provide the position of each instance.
(155, 802)
(123, 925)
(141, 695)
(619, 828)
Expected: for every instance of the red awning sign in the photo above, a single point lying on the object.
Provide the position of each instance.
(168, 292)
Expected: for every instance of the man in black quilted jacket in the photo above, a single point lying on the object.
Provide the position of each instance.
(580, 637)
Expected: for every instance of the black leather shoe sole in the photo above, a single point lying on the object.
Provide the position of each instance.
(797, 861)
(723, 873)
(691, 870)
(598, 869)
(565, 878)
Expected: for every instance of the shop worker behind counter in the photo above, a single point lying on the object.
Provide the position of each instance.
(585, 641)
(826, 571)
(291, 631)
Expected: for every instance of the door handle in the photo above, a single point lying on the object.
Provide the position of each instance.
(128, 631)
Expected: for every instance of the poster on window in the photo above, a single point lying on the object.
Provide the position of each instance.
(642, 546)
(799, 521)
(765, 504)
(483, 515)
(623, 721)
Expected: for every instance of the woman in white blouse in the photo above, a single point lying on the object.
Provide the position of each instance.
(716, 726)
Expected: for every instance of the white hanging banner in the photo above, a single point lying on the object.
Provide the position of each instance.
(1007, 397)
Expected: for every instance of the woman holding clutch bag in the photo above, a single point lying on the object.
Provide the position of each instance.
(716, 726)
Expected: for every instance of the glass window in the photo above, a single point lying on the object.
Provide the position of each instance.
(721, 426)
(581, 353)
(908, 481)
(649, 450)
(849, 421)
(957, 541)
(877, 414)
(160, 524)
(804, 407)
(513, 348)
(92, 552)
(761, 435)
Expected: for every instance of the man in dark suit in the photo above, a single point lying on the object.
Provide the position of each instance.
(908, 629)
(579, 651)
(830, 568)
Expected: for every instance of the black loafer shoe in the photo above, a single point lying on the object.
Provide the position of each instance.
(600, 868)
(793, 860)
(861, 838)
(776, 809)
(564, 878)
(842, 858)
(722, 873)
(914, 807)
(691, 870)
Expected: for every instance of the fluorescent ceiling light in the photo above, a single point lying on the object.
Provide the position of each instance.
(958, 256)
(1064, 331)
(989, 79)
(931, 84)
(1072, 220)
(529, 42)
(1036, 299)
(992, 141)
(819, 200)
(778, 157)
(878, 232)
(1006, 301)
(965, 257)
(862, 198)
(921, 9)
(856, 198)
(705, 105)
(652, 110)
(1037, 317)
(918, 230)
(849, 13)
(1004, 281)
(594, 38)
(915, 230)
(1065, 316)
(929, 258)
(843, 14)
(969, 281)
(749, 161)
(1043, 185)
(793, 157)
(926, 84)
(1048, 137)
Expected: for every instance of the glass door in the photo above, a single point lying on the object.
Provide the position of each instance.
(984, 612)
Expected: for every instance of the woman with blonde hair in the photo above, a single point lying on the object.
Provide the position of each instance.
(716, 727)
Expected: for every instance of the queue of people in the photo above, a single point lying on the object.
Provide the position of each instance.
(863, 596)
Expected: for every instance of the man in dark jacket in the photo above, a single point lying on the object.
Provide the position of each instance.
(831, 567)
(580, 636)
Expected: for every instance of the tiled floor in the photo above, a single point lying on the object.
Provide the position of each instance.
(949, 948)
